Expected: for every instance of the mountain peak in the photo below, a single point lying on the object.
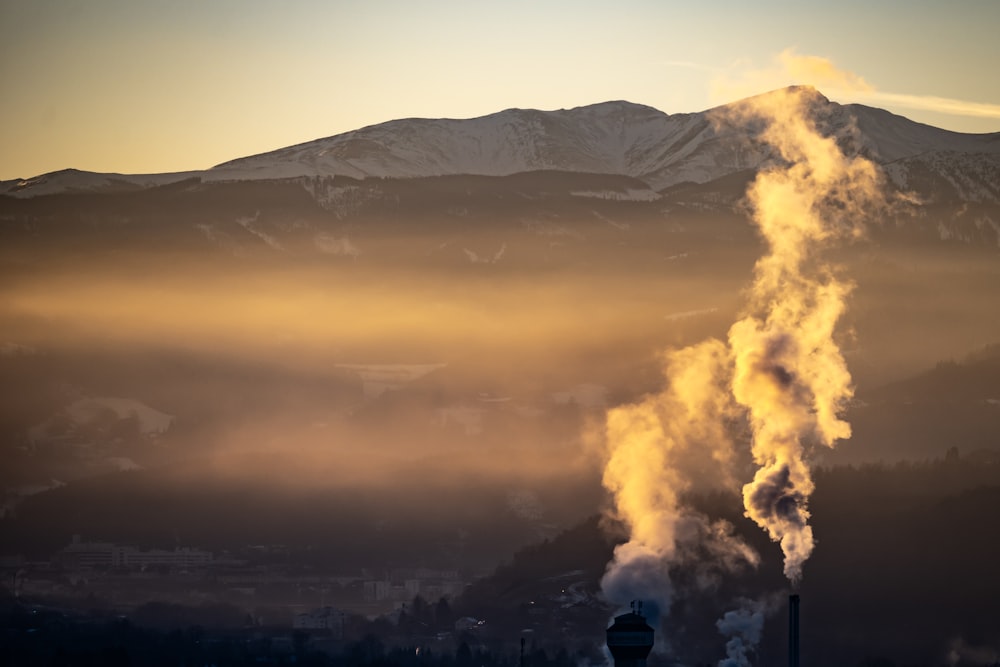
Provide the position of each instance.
(812, 96)
(613, 137)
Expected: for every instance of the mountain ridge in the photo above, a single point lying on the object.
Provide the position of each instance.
(615, 137)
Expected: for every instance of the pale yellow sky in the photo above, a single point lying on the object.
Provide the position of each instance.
(138, 86)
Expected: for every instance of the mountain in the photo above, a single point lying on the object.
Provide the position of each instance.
(614, 164)
(614, 137)
(955, 405)
(617, 137)
(589, 238)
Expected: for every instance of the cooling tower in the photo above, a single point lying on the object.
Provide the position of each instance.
(630, 640)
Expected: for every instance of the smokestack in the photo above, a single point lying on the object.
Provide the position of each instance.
(793, 630)
(630, 639)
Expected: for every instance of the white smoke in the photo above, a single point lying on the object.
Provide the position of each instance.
(781, 370)
(962, 652)
(743, 627)
(788, 372)
(656, 449)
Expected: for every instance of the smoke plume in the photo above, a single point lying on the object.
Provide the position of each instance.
(781, 370)
(789, 67)
(788, 372)
(656, 448)
(786, 68)
(743, 627)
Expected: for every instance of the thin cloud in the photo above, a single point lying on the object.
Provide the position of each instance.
(944, 105)
(791, 68)
(788, 68)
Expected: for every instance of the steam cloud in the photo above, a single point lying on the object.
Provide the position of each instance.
(788, 372)
(743, 627)
(789, 66)
(781, 370)
(656, 447)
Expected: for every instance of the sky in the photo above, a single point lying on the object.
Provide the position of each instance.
(149, 86)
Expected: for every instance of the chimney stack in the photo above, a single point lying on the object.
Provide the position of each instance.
(793, 630)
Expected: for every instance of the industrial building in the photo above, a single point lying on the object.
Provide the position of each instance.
(630, 639)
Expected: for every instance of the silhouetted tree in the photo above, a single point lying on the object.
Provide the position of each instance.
(463, 655)
(443, 615)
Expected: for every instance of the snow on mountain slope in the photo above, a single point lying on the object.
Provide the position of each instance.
(610, 138)
(614, 137)
(949, 175)
(892, 137)
(74, 180)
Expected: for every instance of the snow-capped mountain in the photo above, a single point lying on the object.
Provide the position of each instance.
(612, 137)
(619, 138)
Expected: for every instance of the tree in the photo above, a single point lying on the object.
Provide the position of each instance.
(463, 655)
(443, 615)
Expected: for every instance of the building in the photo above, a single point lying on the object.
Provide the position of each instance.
(404, 584)
(326, 619)
(82, 554)
(630, 639)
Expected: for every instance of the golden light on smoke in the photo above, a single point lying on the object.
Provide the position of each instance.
(787, 69)
(819, 72)
(652, 442)
(782, 366)
(657, 448)
(788, 371)
(790, 68)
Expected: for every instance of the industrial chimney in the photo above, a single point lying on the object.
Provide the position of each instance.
(630, 639)
(793, 630)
